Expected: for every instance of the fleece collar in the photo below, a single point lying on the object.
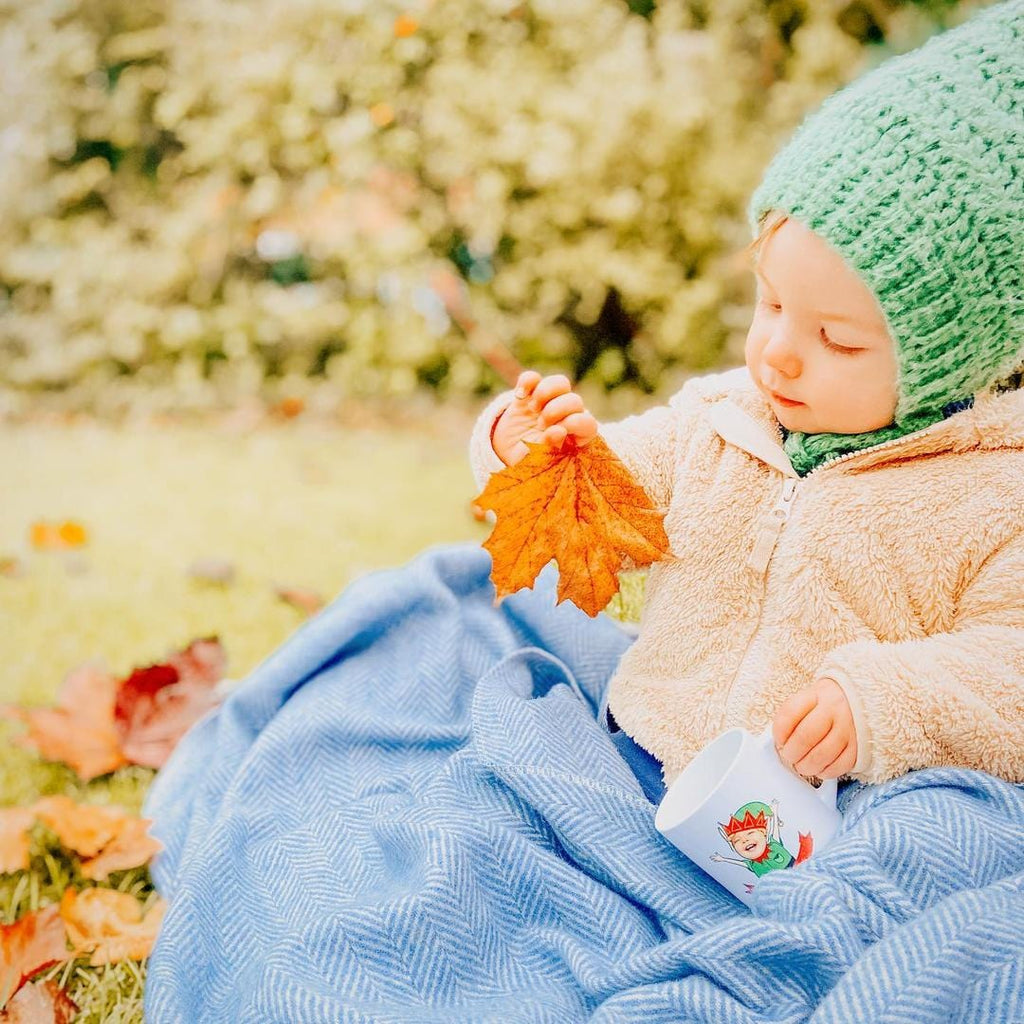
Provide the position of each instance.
(996, 420)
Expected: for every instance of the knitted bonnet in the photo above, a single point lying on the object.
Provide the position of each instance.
(914, 173)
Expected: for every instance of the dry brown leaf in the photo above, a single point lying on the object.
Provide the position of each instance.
(156, 705)
(33, 943)
(80, 729)
(107, 838)
(131, 846)
(578, 505)
(308, 601)
(40, 1002)
(84, 828)
(110, 925)
(101, 723)
(15, 823)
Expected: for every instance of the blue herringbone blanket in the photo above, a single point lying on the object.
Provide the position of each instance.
(410, 813)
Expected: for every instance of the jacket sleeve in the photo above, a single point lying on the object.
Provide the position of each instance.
(483, 459)
(953, 698)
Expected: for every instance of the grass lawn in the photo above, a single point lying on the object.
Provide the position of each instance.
(292, 503)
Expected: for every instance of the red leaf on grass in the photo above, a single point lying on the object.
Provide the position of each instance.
(156, 705)
(41, 1002)
(30, 945)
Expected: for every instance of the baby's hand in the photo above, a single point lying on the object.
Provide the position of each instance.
(544, 409)
(814, 731)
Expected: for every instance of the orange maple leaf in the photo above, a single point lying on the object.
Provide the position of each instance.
(106, 838)
(110, 925)
(578, 505)
(131, 846)
(33, 943)
(80, 730)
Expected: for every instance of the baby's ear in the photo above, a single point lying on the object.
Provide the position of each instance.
(723, 833)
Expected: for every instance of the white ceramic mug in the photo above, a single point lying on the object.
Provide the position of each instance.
(738, 812)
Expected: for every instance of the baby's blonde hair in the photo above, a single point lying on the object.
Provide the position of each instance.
(771, 221)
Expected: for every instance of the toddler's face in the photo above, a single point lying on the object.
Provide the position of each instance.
(750, 843)
(819, 339)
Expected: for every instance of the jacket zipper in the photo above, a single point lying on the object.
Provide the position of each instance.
(768, 538)
(761, 554)
(759, 558)
(873, 448)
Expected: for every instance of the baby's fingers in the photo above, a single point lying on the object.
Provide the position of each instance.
(548, 388)
(582, 426)
(558, 408)
(525, 383)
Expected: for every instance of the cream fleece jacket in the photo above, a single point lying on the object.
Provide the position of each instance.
(898, 571)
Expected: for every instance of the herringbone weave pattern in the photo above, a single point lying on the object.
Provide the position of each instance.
(409, 813)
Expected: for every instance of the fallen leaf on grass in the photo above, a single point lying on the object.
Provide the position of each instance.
(80, 729)
(110, 925)
(84, 828)
(156, 705)
(15, 823)
(213, 570)
(131, 847)
(106, 838)
(307, 601)
(33, 943)
(45, 536)
(578, 505)
(41, 1002)
(101, 723)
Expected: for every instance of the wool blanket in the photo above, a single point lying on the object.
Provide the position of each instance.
(410, 812)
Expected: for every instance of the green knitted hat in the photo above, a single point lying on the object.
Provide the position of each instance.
(914, 173)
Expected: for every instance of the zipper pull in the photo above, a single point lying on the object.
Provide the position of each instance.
(761, 553)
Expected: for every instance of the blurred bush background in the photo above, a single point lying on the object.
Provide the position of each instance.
(210, 201)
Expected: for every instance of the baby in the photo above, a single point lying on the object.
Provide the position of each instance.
(846, 510)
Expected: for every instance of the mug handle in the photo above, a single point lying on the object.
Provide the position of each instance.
(829, 788)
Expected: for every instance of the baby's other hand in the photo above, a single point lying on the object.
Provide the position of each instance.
(814, 732)
(544, 409)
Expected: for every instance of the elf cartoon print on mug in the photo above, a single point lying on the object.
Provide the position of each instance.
(753, 832)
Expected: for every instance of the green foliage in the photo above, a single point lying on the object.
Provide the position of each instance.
(207, 200)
